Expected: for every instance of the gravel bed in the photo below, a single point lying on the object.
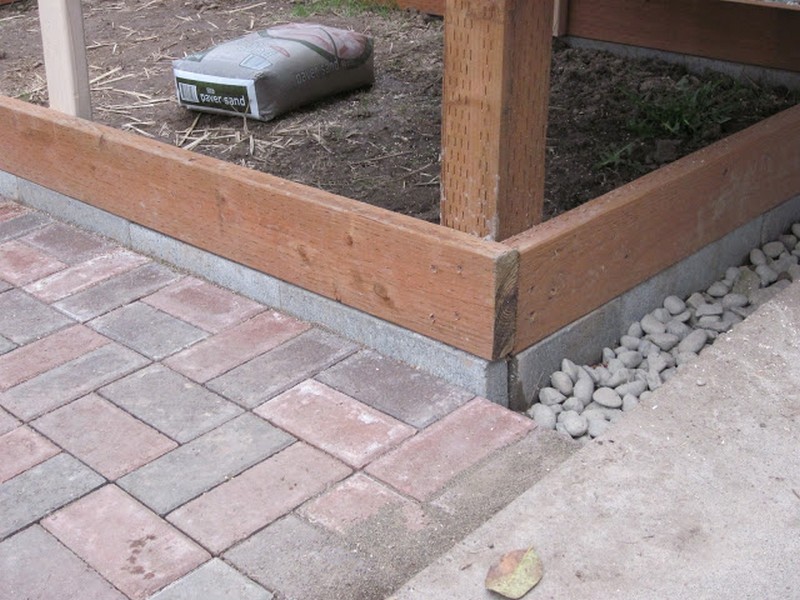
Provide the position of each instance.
(584, 401)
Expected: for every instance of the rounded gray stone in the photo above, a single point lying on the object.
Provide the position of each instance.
(668, 374)
(789, 240)
(632, 388)
(695, 300)
(598, 427)
(608, 354)
(562, 382)
(583, 390)
(731, 275)
(635, 329)
(629, 402)
(550, 396)
(595, 413)
(631, 359)
(796, 229)
(747, 283)
(616, 378)
(683, 358)
(543, 416)
(607, 397)
(766, 274)
(693, 342)
(718, 289)
(571, 369)
(734, 301)
(658, 362)
(574, 424)
(572, 404)
(708, 309)
(662, 314)
(773, 249)
(653, 383)
(651, 324)
(630, 342)
(665, 341)
(674, 305)
(614, 415)
(679, 329)
(757, 257)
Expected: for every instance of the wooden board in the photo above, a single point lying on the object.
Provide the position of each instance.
(764, 34)
(560, 17)
(580, 260)
(494, 115)
(432, 280)
(65, 57)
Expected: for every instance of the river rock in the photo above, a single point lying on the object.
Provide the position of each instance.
(674, 305)
(571, 369)
(583, 390)
(574, 424)
(598, 427)
(773, 249)
(796, 229)
(678, 329)
(757, 257)
(629, 402)
(693, 342)
(747, 283)
(607, 397)
(635, 329)
(650, 324)
(708, 309)
(630, 342)
(572, 404)
(550, 396)
(734, 301)
(695, 300)
(608, 354)
(662, 314)
(717, 289)
(631, 359)
(633, 388)
(543, 416)
(683, 358)
(665, 341)
(731, 275)
(562, 382)
(766, 275)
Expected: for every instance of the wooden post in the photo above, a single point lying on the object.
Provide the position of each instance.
(496, 86)
(65, 57)
(561, 13)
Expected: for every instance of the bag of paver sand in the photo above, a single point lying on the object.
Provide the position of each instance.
(270, 72)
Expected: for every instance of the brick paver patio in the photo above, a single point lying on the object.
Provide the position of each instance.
(162, 437)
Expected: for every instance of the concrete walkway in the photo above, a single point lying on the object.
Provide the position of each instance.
(695, 494)
(161, 437)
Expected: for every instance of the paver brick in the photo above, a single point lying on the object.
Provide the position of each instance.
(116, 291)
(6, 346)
(147, 330)
(22, 224)
(42, 489)
(358, 499)
(4, 285)
(22, 449)
(263, 493)
(10, 210)
(423, 465)
(7, 422)
(214, 580)
(83, 275)
(349, 430)
(21, 264)
(287, 365)
(103, 436)
(123, 541)
(397, 389)
(203, 304)
(171, 403)
(196, 467)
(42, 355)
(220, 353)
(23, 319)
(301, 562)
(69, 381)
(36, 566)
(68, 244)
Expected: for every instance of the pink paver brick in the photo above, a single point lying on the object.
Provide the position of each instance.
(42, 355)
(103, 436)
(7, 422)
(222, 352)
(21, 449)
(10, 210)
(358, 499)
(84, 275)
(125, 542)
(255, 498)
(21, 264)
(68, 243)
(203, 304)
(426, 463)
(342, 426)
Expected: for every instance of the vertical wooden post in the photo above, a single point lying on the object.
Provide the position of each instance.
(496, 86)
(560, 18)
(65, 57)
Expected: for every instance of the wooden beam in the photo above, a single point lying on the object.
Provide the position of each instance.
(65, 57)
(441, 283)
(580, 260)
(496, 86)
(560, 17)
(764, 34)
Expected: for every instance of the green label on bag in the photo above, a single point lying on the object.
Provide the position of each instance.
(222, 96)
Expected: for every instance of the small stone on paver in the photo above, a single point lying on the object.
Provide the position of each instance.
(42, 355)
(24, 319)
(148, 330)
(189, 470)
(69, 244)
(21, 449)
(35, 565)
(116, 291)
(21, 264)
(103, 436)
(171, 403)
(214, 580)
(244, 504)
(283, 367)
(406, 393)
(123, 541)
(334, 422)
(426, 463)
(71, 380)
(222, 352)
(42, 489)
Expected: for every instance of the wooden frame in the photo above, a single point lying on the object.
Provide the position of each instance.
(488, 298)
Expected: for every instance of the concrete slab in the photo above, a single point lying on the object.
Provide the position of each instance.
(214, 580)
(693, 495)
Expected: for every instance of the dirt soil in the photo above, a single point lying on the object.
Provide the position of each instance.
(611, 119)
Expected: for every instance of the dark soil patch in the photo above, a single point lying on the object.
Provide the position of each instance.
(611, 119)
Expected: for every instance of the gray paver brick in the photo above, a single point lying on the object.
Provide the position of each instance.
(7, 422)
(170, 402)
(215, 580)
(147, 330)
(70, 381)
(395, 388)
(117, 291)
(193, 468)
(22, 318)
(21, 225)
(35, 565)
(4, 285)
(6, 345)
(302, 563)
(42, 489)
(279, 369)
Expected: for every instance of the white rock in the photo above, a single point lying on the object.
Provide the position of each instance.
(572, 404)
(773, 249)
(695, 300)
(650, 324)
(653, 383)
(658, 362)
(683, 317)
(693, 342)
(543, 416)
(631, 359)
(757, 257)
(734, 301)
(571, 369)
(718, 289)
(583, 390)
(676, 328)
(550, 396)
(766, 274)
(630, 342)
(788, 240)
(574, 424)
(616, 378)
(674, 305)
(665, 341)
(708, 308)
(683, 358)
(607, 397)
(668, 374)
(662, 314)
(629, 402)
(562, 382)
(794, 272)
(633, 388)
(596, 413)
(635, 330)
(731, 275)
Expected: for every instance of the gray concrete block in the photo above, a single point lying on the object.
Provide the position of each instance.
(42, 489)
(188, 471)
(8, 185)
(215, 580)
(74, 211)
